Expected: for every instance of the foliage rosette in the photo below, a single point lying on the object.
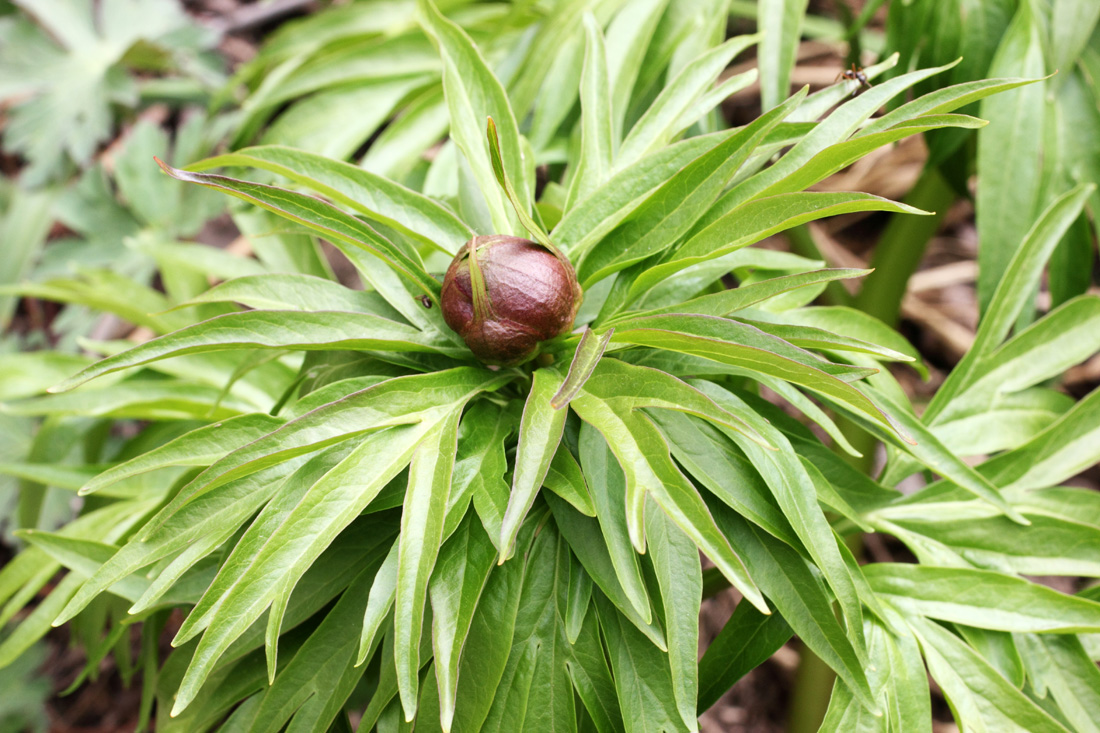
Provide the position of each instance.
(356, 512)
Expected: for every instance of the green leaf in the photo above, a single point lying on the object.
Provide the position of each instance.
(819, 339)
(400, 401)
(199, 447)
(315, 54)
(753, 222)
(473, 93)
(1021, 276)
(833, 130)
(398, 148)
(23, 228)
(70, 478)
(191, 535)
(590, 349)
(729, 301)
(855, 324)
(480, 466)
(505, 183)
(942, 101)
(455, 589)
(326, 508)
(672, 209)
(560, 72)
(799, 595)
(23, 577)
(898, 679)
(1065, 448)
(578, 600)
(1048, 546)
(644, 455)
(591, 676)
(69, 75)
(320, 331)
(1000, 649)
(662, 120)
(781, 30)
(607, 485)
(796, 495)
(287, 291)
(139, 399)
(540, 432)
(1060, 664)
(421, 536)
(339, 227)
(379, 604)
(1065, 337)
(1072, 22)
(1009, 197)
(936, 456)
(30, 373)
(979, 696)
(841, 154)
(981, 598)
(628, 42)
(747, 640)
(713, 460)
(84, 556)
(488, 642)
(374, 197)
(676, 563)
(643, 679)
(739, 345)
(598, 140)
(565, 478)
(321, 675)
(606, 207)
(106, 291)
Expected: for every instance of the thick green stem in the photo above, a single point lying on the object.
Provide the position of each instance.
(810, 699)
(901, 247)
(897, 255)
(814, 681)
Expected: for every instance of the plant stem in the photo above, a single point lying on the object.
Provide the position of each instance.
(901, 247)
(813, 683)
(897, 255)
(810, 699)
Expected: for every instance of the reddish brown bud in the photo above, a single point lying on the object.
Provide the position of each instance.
(504, 295)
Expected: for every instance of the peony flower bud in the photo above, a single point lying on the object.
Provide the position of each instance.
(504, 295)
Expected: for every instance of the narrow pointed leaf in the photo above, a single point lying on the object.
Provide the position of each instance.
(473, 93)
(454, 591)
(589, 350)
(1020, 276)
(676, 562)
(199, 447)
(755, 221)
(540, 432)
(327, 508)
(982, 598)
(421, 536)
(269, 330)
(375, 197)
(327, 220)
(593, 166)
(747, 640)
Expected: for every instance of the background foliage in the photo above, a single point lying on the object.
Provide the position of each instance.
(357, 517)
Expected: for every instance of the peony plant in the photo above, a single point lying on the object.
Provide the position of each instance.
(478, 501)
